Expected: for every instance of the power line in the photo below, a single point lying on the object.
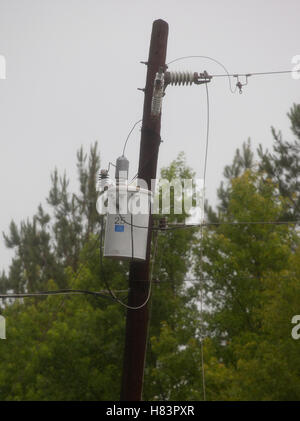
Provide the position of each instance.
(133, 127)
(207, 138)
(235, 75)
(102, 294)
(172, 227)
(207, 224)
(201, 247)
(256, 73)
(112, 294)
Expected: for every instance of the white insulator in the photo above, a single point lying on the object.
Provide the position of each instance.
(181, 78)
(104, 181)
(158, 93)
(156, 105)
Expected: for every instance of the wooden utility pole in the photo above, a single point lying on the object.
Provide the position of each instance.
(137, 320)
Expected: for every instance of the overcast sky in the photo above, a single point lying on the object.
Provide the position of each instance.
(73, 72)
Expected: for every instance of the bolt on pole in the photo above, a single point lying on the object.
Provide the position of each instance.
(139, 282)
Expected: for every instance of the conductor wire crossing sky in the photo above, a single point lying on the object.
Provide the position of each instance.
(235, 75)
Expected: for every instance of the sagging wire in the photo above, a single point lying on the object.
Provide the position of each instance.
(102, 294)
(125, 145)
(201, 244)
(64, 292)
(112, 294)
(128, 136)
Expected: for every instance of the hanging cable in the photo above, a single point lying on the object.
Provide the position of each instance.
(112, 294)
(69, 291)
(201, 245)
(102, 294)
(133, 127)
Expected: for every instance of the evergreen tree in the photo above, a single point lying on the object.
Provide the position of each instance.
(51, 242)
(243, 160)
(71, 348)
(283, 165)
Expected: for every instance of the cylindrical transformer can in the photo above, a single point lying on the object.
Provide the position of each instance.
(126, 231)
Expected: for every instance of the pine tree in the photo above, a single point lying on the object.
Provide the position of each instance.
(283, 165)
(50, 242)
(243, 160)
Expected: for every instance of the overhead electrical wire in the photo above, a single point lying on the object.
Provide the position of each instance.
(70, 291)
(256, 73)
(112, 294)
(102, 294)
(172, 227)
(201, 244)
(235, 75)
(128, 136)
(207, 224)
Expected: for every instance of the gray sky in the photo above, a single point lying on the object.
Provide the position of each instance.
(73, 72)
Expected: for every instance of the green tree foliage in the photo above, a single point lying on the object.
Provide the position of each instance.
(173, 303)
(251, 287)
(49, 242)
(64, 348)
(283, 165)
(71, 347)
(243, 160)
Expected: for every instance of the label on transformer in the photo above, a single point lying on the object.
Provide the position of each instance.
(119, 228)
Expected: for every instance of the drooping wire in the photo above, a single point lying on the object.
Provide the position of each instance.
(128, 136)
(69, 291)
(207, 138)
(112, 294)
(201, 244)
(58, 292)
